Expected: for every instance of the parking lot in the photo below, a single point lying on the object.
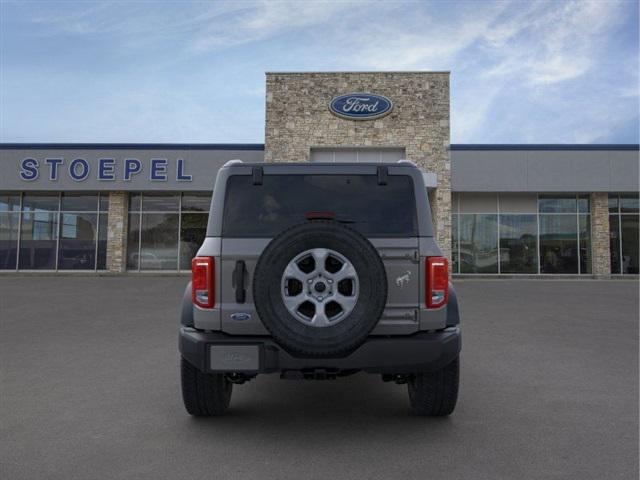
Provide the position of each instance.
(90, 389)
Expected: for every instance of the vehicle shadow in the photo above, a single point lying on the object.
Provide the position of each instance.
(320, 411)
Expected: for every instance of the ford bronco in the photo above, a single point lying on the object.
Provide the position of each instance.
(318, 271)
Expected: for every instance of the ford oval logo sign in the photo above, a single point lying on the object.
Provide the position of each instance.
(360, 106)
(240, 316)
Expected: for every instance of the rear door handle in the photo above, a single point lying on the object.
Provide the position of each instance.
(238, 281)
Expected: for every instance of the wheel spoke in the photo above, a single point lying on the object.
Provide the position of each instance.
(346, 302)
(347, 271)
(293, 303)
(319, 256)
(293, 271)
(320, 319)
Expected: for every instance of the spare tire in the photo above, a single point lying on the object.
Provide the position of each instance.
(320, 288)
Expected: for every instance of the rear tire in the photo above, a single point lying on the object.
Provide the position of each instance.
(435, 394)
(204, 394)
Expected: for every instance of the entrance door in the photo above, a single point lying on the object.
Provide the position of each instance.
(341, 155)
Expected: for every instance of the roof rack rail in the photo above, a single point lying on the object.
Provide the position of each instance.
(235, 161)
(404, 160)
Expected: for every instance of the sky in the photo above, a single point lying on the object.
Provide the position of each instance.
(179, 71)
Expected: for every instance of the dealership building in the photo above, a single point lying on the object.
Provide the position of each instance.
(497, 209)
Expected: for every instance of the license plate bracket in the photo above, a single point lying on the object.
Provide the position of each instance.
(234, 358)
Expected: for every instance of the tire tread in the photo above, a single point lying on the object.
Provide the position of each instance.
(204, 394)
(435, 394)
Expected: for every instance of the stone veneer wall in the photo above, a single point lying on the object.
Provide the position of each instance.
(117, 231)
(600, 247)
(298, 119)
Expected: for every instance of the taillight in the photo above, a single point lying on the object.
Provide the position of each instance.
(437, 275)
(202, 282)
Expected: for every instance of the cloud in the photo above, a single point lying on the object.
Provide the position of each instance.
(551, 42)
(265, 19)
(419, 39)
(521, 71)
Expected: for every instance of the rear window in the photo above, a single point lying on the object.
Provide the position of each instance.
(285, 200)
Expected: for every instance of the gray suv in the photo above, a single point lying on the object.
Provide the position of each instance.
(318, 271)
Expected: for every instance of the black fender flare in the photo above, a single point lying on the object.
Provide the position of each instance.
(453, 312)
(186, 313)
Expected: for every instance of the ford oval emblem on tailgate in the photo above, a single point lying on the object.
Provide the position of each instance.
(360, 106)
(240, 316)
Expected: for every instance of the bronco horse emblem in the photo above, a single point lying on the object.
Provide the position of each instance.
(401, 280)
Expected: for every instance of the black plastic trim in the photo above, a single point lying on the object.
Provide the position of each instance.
(239, 281)
(257, 173)
(453, 312)
(383, 173)
(420, 352)
(186, 313)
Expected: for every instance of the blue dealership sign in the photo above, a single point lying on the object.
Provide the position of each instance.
(107, 169)
(360, 106)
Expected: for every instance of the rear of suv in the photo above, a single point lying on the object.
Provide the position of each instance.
(318, 271)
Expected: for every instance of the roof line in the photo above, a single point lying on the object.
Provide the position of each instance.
(544, 146)
(285, 72)
(260, 146)
(132, 146)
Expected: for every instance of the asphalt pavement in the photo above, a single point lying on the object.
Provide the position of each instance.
(90, 390)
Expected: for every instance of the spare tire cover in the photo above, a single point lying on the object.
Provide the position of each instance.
(320, 288)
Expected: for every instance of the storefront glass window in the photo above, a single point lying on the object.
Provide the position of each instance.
(9, 229)
(455, 261)
(9, 224)
(166, 230)
(101, 262)
(103, 202)
(159, 241)
(478, 243)
(565, 234)
(135, 201)
(629, 237)
(614, 242)
(40, 202)
(623, 233)
(78, 246)
(583, 204)
(158, 202)
(38, 240)
(531, 234)
(584, 237)
(193, 230)
(557, 204)
(9, 202)
(518, 244)
(51, 231)
(80, 202)
(558, 244)
(39, 231)
(629, 203)
(196, 202)
(78, 233)
(133, 241)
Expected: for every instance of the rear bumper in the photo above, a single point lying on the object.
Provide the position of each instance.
(219, 352)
